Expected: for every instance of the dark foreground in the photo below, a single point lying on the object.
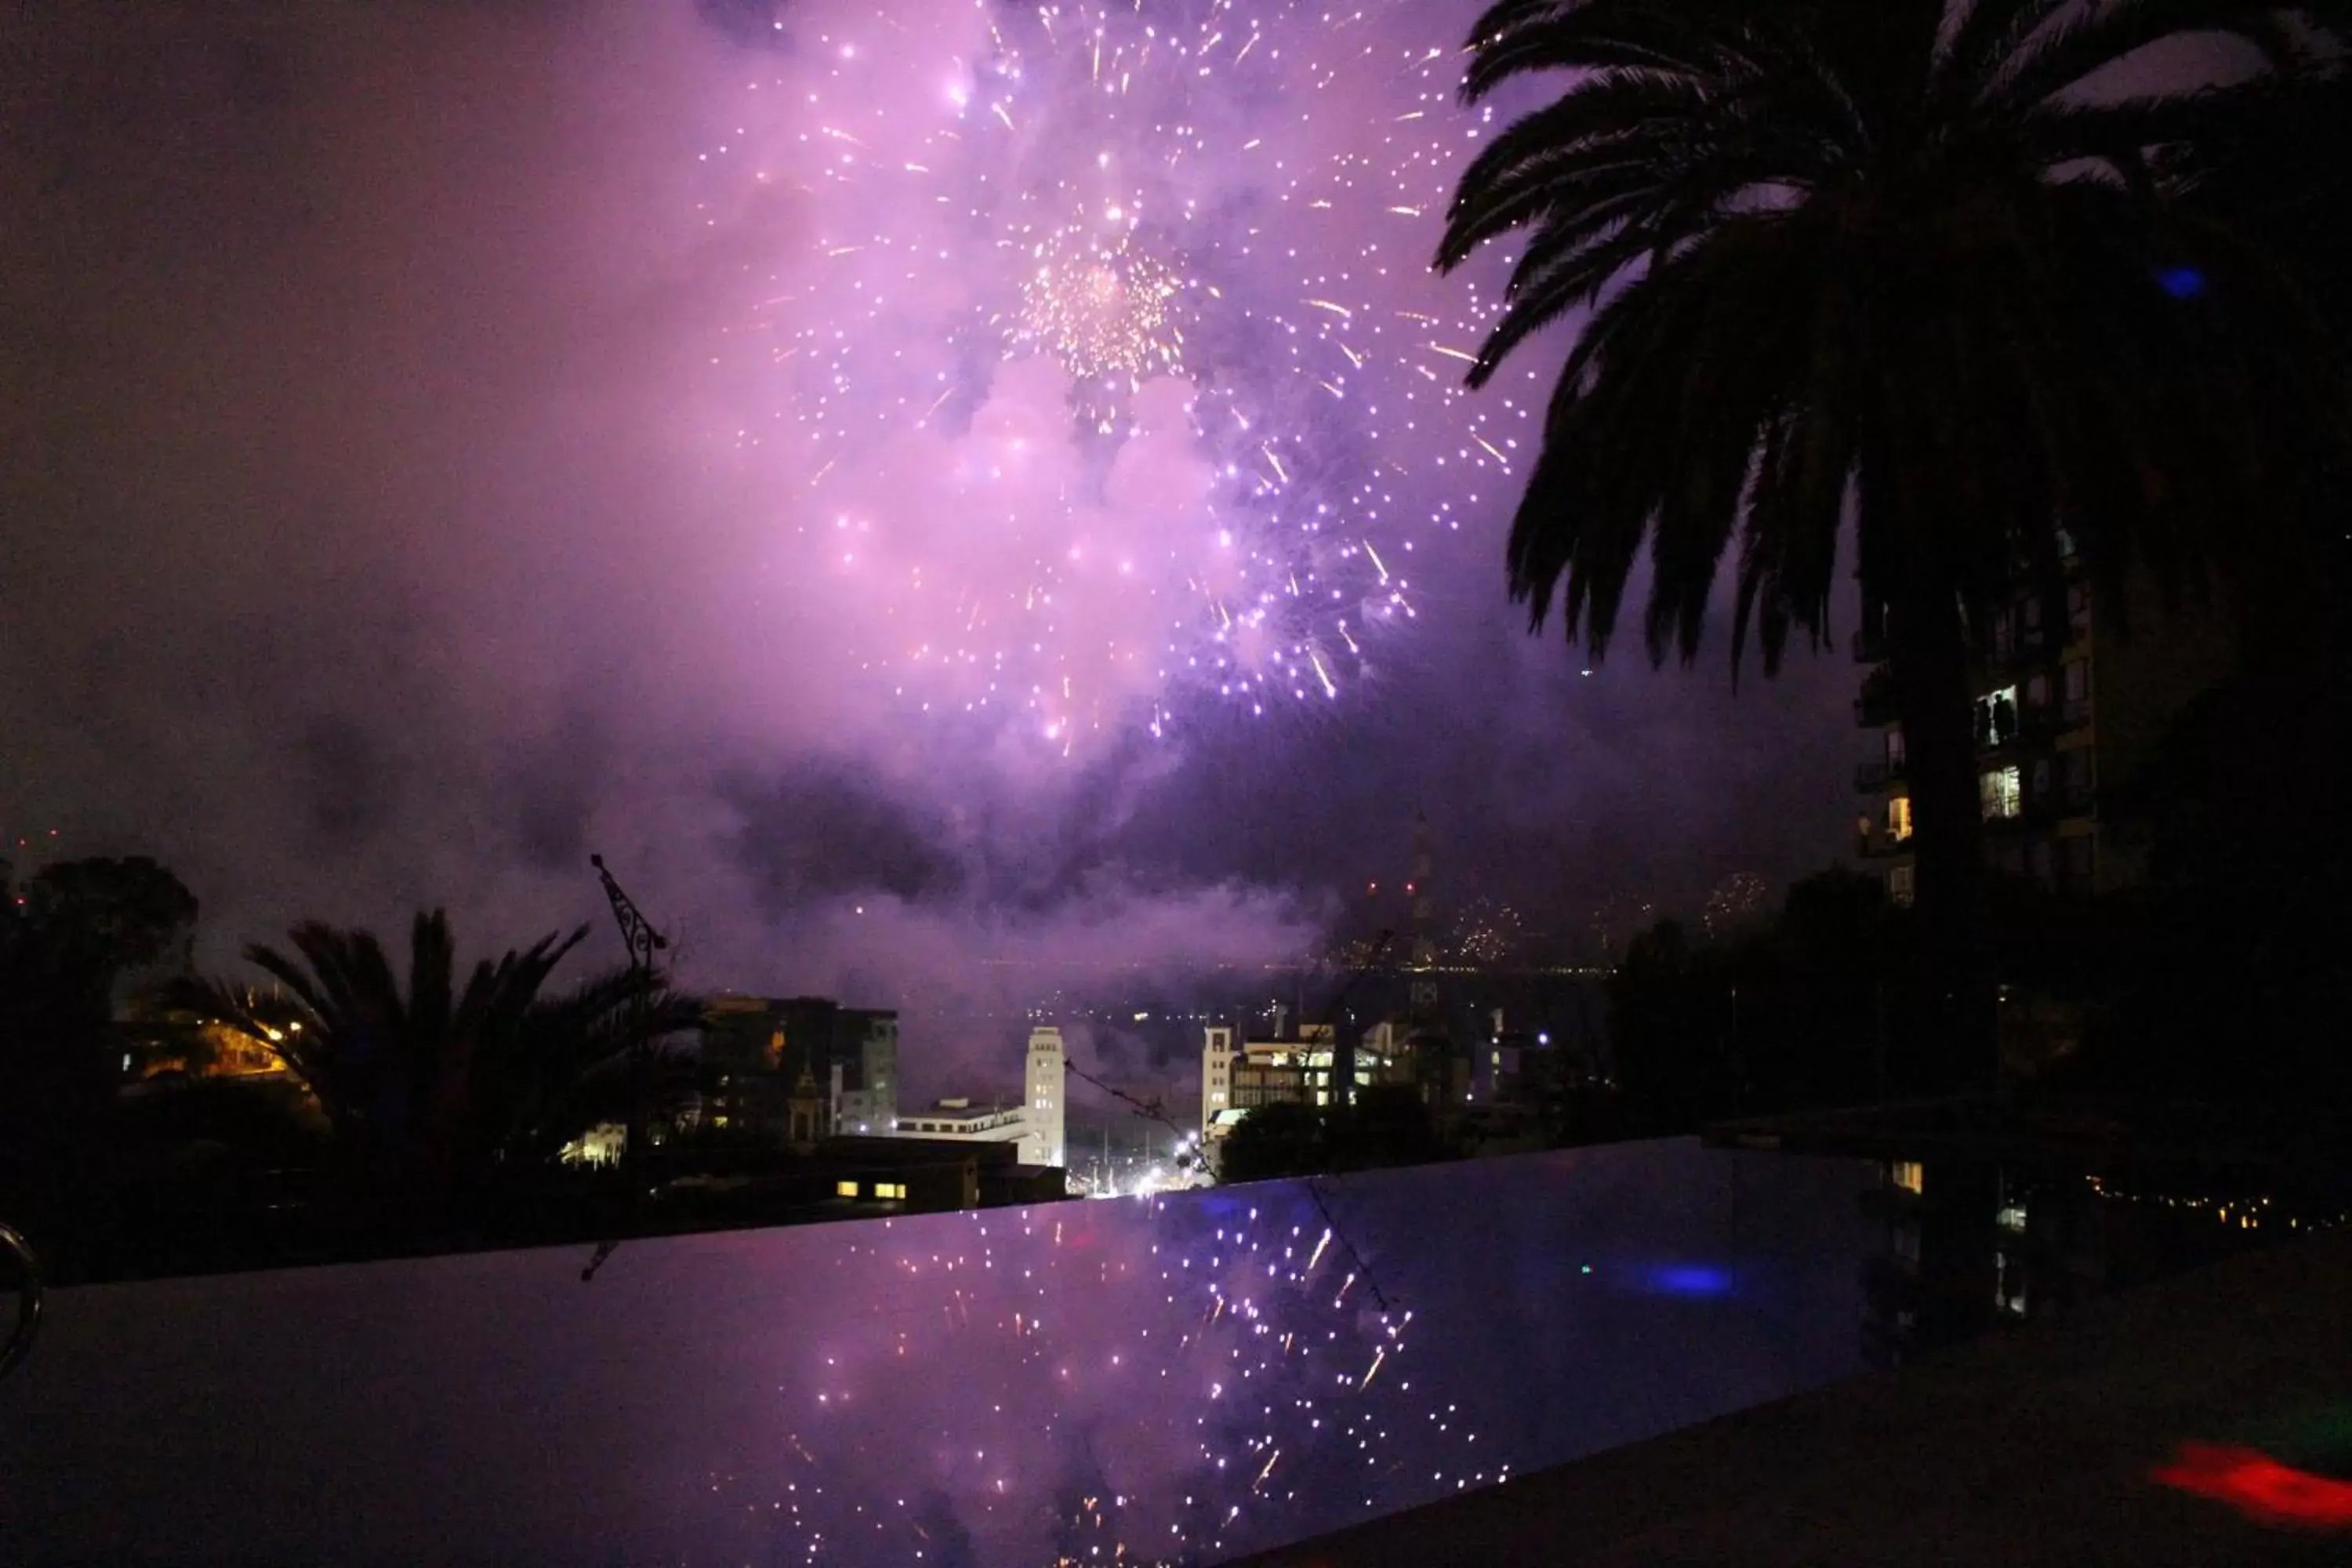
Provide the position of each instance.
(2040, 1447)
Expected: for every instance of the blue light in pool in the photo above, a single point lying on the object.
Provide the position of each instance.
(1690, 1280)
(2181, 281)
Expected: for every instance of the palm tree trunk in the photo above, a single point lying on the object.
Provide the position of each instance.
(1927, 651)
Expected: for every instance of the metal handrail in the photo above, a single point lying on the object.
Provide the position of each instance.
(19, 1343)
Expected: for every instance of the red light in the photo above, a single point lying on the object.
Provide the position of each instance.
(2260, 1487)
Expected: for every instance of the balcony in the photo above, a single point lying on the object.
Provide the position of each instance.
(2074, 713)
(1869, 778)
(2002, 736)
(1875, 708)
(1870, 647)
(2025, 650)
(1882, 845)
(2036, 722)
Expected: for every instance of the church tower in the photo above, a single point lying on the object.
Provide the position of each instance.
(1048, 1077)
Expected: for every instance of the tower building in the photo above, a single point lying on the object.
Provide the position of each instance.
(1042, 1144)
(1218, 1054)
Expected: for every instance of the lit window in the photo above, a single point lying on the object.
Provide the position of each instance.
(2011, 1217)
(1907, 1175)
(1996, 716)
(891, 1190)
(1898, 817)
(845, 1189)
(2001, 793)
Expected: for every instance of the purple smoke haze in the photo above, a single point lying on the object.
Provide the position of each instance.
(445, 439)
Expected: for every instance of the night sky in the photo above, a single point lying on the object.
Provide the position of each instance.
(963, 485)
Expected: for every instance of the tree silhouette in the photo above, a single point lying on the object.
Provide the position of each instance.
(1883, 263)
(68, 935)
(438, 1081)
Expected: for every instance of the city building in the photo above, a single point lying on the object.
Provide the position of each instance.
(1528, 1067)
(851, 1177)
(927, 1175)
(802, 1067)
(2067, 709)
(960, 1120)
(1218, 1054)
(601, 1144)
(1049, 1079)
(1238, 1078)
(1036, 1125)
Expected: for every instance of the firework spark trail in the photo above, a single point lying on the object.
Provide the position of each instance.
(1114, 324)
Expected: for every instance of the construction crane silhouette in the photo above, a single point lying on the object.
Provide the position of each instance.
(637, 934)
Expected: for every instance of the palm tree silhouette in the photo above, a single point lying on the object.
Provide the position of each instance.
(435, 1081)
(1886, 264)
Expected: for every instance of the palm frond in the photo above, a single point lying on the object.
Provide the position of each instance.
(442, 1075)
(2060, 56)
(1539, 161)
(1984, 36)
(1599, 34)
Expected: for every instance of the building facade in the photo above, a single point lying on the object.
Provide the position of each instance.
(1036, 1125)
(959, 1120)
(1236, 1079)
(2066, 711)
(1218, 1054)
(1048, 1080)
(800, 1067)
(863, 1085)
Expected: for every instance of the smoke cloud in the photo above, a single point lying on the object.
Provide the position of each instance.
(409, 487)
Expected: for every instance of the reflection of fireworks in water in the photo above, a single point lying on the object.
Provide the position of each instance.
(1247, 1360)
(1258, 185)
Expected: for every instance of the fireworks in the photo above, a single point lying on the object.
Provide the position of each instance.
(1091, 353)
(1103, 309)
(1104, 1383)
(1735, 902)
(1486, 934)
